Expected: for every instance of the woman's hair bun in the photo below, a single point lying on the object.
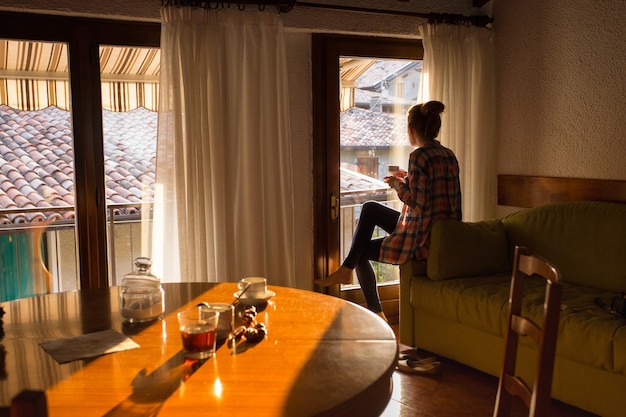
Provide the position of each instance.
(425, 119)
(432, 108)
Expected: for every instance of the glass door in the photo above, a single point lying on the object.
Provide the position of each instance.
(362, 90)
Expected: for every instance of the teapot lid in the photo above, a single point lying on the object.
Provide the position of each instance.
(141, 275)
(143, 263)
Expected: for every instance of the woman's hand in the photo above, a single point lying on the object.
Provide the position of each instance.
(393, 181)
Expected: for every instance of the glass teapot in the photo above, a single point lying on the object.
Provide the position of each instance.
(141, 296)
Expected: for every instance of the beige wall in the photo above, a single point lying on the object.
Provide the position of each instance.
(561, 77)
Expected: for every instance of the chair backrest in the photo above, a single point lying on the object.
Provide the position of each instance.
(544, 336)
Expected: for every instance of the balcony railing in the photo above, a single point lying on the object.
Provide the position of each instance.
(127, 239)
(40, 246)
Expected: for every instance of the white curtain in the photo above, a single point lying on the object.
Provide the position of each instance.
(459, 71)
(223, 192)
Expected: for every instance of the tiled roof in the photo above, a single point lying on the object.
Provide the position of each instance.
(357, 188)
(36, 160)
(354, 181)
(368, 129)
(36, 157)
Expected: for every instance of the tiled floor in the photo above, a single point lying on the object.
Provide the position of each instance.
(457, 391)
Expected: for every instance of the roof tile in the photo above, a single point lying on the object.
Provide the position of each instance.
(6, 201)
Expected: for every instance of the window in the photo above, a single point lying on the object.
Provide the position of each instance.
(372, 137)
(73, 75)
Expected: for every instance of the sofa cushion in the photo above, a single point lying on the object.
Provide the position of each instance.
(464, 249)
(476, 302)
(586, 331)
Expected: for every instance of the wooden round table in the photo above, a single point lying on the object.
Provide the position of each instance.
(322, 356)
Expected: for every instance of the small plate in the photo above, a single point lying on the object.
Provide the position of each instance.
(257, 300)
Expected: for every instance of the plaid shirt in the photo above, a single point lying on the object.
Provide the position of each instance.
(432, 190)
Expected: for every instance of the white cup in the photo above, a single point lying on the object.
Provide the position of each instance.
(226, 322)
(256, 287)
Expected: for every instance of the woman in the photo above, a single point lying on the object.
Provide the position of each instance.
(429, 190)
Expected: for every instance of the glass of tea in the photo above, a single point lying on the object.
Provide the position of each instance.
(198, 329)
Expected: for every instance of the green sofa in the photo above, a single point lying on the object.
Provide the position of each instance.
(455, 304)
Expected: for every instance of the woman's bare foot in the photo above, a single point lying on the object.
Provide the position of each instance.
(341, 276)
(382, 316)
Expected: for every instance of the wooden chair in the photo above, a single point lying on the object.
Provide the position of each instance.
(537, 399)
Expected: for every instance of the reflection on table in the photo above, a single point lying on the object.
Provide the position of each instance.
(321, 356)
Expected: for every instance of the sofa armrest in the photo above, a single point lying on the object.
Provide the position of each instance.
(408, 270)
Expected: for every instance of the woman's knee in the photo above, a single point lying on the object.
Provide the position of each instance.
(371, 206)
(370, 203)
(379, 211)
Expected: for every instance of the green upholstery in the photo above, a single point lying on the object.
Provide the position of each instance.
(619, 349)
(585, 239)
(481, 303)
(456, 304)
(467, 249)
(476, 302)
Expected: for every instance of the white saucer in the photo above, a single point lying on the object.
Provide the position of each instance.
(256, 300)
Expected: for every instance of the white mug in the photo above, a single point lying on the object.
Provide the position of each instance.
(256, 287)
(226, 323)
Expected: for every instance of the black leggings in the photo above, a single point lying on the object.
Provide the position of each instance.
(365, 249)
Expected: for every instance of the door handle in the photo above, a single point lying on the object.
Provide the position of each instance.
(334, 207)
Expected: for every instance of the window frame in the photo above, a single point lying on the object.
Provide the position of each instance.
(84, 36)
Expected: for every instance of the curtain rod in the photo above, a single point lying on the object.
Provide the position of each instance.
(284, 6)
(482, 20)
